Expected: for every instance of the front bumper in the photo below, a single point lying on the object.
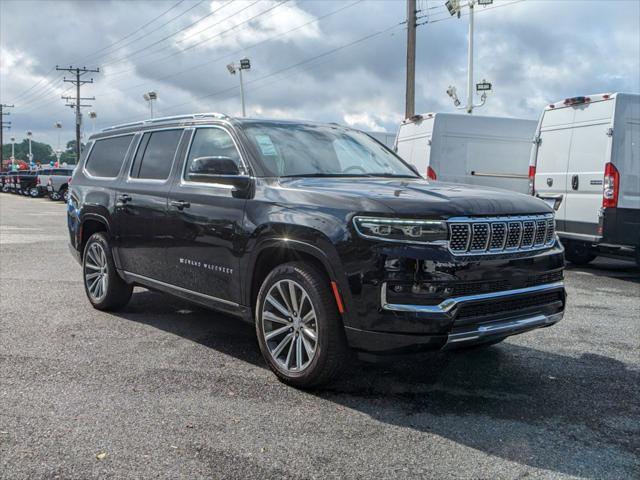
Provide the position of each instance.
(471, 319)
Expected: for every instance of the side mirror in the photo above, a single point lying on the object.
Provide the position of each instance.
(222, 170)
(218, 165)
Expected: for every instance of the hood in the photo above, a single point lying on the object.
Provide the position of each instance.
(408, 197)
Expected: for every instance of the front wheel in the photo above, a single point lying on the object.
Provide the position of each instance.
(103, 286)
(299, 329)
(64, 195)
(34, 192)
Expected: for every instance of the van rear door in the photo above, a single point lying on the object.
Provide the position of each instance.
(590, 151)
(554, 144)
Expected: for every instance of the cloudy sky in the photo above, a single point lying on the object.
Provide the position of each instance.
(326, 60)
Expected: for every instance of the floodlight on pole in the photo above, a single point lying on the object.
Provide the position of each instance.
(454, 8)
(245, 64)
(58, 152)
(150, 97)
(93, 116)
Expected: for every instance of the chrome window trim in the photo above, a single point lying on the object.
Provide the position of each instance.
(194, 128)
(154, 181)
(450, 303)
(93, 142)
(181, 289)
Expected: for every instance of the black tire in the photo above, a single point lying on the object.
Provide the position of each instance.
(578, 253)
(34, 192)
(64, 194)
(54, 196)
(115, 292)
(331, 353)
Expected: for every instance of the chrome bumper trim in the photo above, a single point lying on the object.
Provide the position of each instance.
(448, 304)
(502, 329)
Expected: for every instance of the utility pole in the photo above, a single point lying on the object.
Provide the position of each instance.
(3, 125)
(410, 100)
(78, 72)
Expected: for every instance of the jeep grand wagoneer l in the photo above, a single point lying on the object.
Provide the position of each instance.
(317, 233)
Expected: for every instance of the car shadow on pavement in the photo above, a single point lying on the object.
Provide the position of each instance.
(626, 271)
(573, 415)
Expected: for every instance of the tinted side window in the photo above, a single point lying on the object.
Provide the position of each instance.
(107, 156)
(155, 155)
(212, 142)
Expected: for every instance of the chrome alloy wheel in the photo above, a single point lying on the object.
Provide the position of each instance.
(289, 326)
(95, 271)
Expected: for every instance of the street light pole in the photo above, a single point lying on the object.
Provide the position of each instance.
(150, 97)
(58, 126)
(245, 64)
(454, 8)
(470, 61)
(13, 151)
(30, 156)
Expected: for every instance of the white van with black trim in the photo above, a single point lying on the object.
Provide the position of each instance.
(586, 162)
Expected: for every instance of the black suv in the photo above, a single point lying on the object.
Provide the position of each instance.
(317, 233)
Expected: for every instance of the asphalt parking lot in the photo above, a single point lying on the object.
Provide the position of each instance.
(164, 389)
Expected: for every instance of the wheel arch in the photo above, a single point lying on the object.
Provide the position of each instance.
(275, 251)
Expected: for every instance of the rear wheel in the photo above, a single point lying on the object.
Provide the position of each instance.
(34, 192)
(64, 194)
(103, 286)
(54, 196)
(298, 326)
(578, 253)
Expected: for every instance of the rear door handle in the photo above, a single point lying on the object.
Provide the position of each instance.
(179, 204)
(124, 198)
(574, 182)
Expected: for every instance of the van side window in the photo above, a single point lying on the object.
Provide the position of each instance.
(155, 154)
(107, 156)
(216, 145)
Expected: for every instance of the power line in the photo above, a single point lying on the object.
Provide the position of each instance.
(245, 23)
(171, 35)
(151, 31)
(137, 30)
(324, 54)
(47, 88)
(248, 47)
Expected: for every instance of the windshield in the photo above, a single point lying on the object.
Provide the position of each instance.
(304, 150)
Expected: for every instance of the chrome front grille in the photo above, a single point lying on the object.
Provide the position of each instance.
(479, 236)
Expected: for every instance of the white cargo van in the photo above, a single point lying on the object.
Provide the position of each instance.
(475, 150)
(586, 161)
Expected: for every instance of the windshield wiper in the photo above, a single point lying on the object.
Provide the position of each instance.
(388, 175)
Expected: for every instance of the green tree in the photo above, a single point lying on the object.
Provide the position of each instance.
(42, 152)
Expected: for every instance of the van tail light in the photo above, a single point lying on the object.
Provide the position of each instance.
(69, 180)
(37, 180)
(611, 186)
(532, 179)
(431, 173)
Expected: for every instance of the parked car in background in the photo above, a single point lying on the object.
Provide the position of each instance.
(58, 183)
(26, 183)
(43, 180)
(469, 149)
(318, 235)
(586, 162)
(4, 185)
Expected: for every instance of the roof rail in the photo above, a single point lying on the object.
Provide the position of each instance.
(190, 116)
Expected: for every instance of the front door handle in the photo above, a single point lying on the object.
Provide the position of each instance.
(574, 182)
(179, 204)
(124, 198)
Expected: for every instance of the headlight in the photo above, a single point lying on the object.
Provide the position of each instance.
(400, 230)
